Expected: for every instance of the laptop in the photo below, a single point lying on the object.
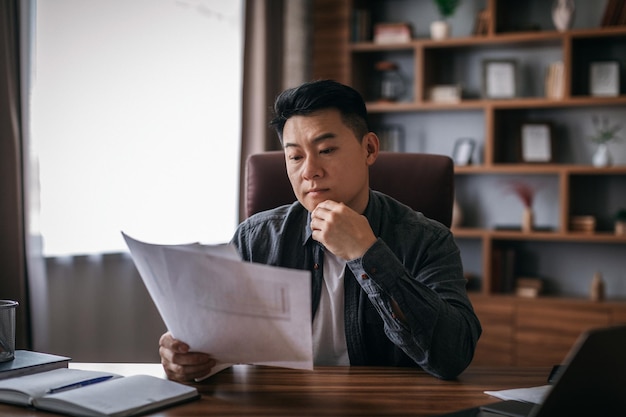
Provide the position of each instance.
(592, 382)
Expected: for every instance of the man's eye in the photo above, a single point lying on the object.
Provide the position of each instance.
(327, 151)
(294, 158)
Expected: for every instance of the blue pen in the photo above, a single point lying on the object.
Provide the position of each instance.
(80, 384)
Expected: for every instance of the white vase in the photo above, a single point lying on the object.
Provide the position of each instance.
(602, 156)
(563, 14)
(439, 29)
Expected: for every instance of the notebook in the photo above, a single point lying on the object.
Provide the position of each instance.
(93, 393)
(592, 382)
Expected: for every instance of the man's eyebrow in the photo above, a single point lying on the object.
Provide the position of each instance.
(321, 138)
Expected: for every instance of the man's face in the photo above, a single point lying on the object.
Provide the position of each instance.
(326, 161)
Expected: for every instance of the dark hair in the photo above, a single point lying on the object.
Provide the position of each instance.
(321, 95)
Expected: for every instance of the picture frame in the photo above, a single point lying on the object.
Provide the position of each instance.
(536, 144)
(604, 78)
(391, 137)
(499, 78)
(463, 151)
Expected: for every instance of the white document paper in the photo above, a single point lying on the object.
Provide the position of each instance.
(531, 395)
(239, 312)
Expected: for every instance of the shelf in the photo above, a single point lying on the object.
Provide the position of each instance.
(597, 237)
(509, 38)
(566, 260)
(556, 169)
(479, 104)
(547, 300)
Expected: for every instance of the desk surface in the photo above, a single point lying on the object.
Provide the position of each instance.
(336, 391)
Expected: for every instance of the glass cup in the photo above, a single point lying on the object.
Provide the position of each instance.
(7, 330)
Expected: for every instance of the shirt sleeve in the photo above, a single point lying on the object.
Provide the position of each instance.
(440, 330)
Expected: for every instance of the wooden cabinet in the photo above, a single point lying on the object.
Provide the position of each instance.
(536, 332)
(494, 249)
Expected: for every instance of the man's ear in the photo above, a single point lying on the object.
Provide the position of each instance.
(372, 145)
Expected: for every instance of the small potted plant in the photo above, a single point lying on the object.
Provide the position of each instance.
(440, 29)
(620, 222)
(605, 132)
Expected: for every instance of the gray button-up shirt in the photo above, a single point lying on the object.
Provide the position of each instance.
(415, 262)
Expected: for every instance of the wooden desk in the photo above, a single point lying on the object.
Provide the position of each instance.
(340, 391)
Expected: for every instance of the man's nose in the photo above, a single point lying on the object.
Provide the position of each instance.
(312, 168)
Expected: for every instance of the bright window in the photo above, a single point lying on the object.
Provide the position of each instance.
(135, 121)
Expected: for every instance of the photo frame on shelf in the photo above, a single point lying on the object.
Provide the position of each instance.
(499, 78)
(604, 78)
(463, 151)
(536, 144)
(391, 137)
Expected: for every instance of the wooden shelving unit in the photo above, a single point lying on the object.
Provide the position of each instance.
(510, 338)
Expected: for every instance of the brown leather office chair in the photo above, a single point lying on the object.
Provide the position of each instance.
(424, 182)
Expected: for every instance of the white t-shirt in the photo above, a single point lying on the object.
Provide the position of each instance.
(329, 336)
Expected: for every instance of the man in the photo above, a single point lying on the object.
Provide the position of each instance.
(387, 283)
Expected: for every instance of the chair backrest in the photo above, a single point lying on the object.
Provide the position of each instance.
(424, 182)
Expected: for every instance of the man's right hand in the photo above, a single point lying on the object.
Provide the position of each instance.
(180, 364)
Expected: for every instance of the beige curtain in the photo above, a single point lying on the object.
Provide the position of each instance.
(13, 283)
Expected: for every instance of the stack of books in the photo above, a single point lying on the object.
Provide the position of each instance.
(555, 84)
(28, 362)
(614, 13)
(585, 224)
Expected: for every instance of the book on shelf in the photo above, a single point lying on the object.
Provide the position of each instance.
(29, 362)
(361, 22)
(385, 33)
(94, 393)
(614, 13)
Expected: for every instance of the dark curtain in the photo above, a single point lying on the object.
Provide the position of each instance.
(262, 78)
(13, 282)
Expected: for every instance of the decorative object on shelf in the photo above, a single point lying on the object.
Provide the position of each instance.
(604, 134)
(499, 78)
(536, 144)
(596, 292)
(584, 224)
(392, 33)
(526, 194)
(563, 14)
(463, 151)
(445, 93)
(602, 156)
(391, 137)
(440, 29)
(604, 78)
(457, 214)
(620, 222)
(389, 82)
(528, 287)
(555, 83)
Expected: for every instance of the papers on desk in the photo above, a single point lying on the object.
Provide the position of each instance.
(239, 312)
(532, 395)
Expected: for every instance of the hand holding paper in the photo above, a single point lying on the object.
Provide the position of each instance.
(238, 312)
